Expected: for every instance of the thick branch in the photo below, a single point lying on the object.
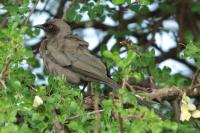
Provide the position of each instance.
(165, 94)
(60, 10)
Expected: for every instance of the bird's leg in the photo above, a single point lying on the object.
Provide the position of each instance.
(84, 86)
(90, 91)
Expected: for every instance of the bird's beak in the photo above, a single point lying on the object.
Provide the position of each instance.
(41, 26)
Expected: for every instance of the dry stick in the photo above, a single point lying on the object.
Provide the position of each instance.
(152, 84)
(121, 129)
(32, 88)
(88, 114)
(172, 94)
(97, 115)
(118, 115)
(32, 10)
(2, 82)
(165, 94)
(136, 87)
(57, 125)
(4, 71)
(5, 67)
(124, 83)
(120, 119)
(194, 78)
(176, 104)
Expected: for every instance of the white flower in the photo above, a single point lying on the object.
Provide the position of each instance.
(185, 114)
(37, 101)
(188, 109)
(191, 107)
(196, 114)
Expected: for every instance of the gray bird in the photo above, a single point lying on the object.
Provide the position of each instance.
(68, 55)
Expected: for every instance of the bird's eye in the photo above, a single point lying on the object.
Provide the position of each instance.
(50, 26)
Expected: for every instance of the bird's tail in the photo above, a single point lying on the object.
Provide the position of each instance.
(111, 83)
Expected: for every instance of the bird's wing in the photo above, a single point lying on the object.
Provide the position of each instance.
(54, 66)
(58, 56)
(82, 61)
(87, 63)
(73, 53)
(78, 40)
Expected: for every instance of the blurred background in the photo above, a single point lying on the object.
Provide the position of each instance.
(163, 25)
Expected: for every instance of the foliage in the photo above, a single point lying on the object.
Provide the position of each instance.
(61, 102)
(192, 51)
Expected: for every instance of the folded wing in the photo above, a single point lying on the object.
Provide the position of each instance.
(74, 53)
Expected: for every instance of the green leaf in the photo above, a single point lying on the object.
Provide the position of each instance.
(117, 2)
(78, 18)
(92, 13)
(107, 54)
(73, 125)
(168, 8)
(71, 15)
(196, 8)
(144, 2)
(135, 8)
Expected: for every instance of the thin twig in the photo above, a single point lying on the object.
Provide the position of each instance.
(194, 78)
(4, 70)
(2, 82)
(88, 114)
(97, 115)
(5, 67)
(121, 125)
(58, 127)
(117, 115)
(136, 87)
(32, 10)
(123, 83)
(32, 88)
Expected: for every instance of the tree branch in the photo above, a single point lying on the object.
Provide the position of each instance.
(32, 10)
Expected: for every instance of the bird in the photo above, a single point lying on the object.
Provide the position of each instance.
(66, 54)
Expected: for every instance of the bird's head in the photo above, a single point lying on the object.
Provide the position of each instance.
(54, 27)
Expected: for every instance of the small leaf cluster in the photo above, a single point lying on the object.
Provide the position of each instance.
(139, 64)
(192, 51)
